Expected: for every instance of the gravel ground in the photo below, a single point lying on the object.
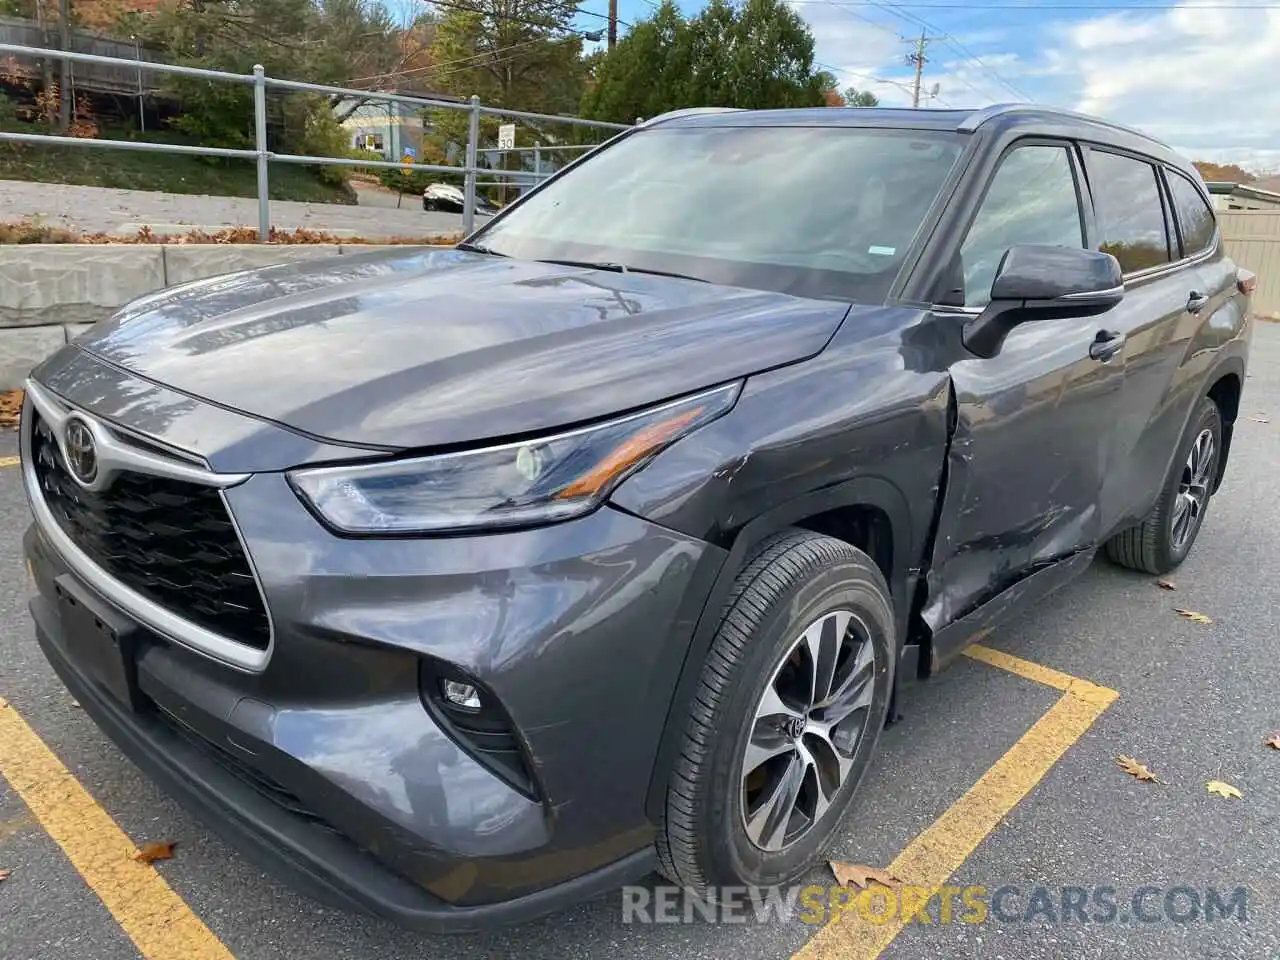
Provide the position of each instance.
(1195, 701)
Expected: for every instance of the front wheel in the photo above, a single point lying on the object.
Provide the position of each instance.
(1163, 540)
(791, 701)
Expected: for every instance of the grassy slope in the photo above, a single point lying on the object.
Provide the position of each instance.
(166, 172)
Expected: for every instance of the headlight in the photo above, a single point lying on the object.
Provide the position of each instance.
(534, 481)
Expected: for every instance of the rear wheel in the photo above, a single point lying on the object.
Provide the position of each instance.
(1165, 537)
(791, 701)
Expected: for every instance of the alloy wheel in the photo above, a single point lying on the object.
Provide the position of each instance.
(1193, 489)
(806, 730)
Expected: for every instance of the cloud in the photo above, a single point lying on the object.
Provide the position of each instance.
(1201, 76)
(1202, 79)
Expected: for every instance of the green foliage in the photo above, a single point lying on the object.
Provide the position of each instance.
(8, 113)
(757, 55)
(169, 173)
(323, 41)
(853, 97)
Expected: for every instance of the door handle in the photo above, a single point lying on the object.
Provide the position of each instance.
(1106, 345)
(1196, 301)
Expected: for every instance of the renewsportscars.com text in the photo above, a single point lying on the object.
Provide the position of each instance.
(973, 904)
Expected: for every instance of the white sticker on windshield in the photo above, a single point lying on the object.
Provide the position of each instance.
(882, 251)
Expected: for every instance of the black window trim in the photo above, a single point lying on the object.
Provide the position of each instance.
(1163, 269)
(1083, 209)
(1169, 171)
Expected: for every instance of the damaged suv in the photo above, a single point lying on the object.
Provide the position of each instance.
(457, 585)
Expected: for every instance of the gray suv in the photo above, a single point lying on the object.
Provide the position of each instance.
(456, 585)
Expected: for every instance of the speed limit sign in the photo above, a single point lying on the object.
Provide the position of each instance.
(507, 136)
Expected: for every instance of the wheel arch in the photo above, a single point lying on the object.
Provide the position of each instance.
(869, 513)
(1226, 383)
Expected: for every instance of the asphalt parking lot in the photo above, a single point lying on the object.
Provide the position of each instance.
(1000, 776)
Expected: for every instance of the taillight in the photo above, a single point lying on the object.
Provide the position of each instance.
(1246, 282)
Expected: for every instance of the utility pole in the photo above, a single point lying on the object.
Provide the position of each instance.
(613, 23)
(918, 60)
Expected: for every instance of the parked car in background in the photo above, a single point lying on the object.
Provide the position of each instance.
(460, 585)
(447, 197)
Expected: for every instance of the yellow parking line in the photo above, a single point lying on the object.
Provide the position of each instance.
(10, 461)
(1040, 674)
(939, 851)
(156, 919)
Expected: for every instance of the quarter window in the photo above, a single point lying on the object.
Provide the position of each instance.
(1195, 218)
(1130, 215)
(1032, 200)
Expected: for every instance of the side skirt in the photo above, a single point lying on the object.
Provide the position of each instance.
(954, 637)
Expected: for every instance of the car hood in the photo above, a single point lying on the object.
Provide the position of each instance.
(417, 348)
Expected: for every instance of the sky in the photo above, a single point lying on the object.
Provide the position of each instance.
(1202, 75)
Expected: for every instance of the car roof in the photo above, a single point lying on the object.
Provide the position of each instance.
(1027, 118)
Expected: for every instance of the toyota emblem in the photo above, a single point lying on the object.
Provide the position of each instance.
(793, 727)
(81, 451)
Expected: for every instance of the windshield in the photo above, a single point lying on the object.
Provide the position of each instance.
(815, 211)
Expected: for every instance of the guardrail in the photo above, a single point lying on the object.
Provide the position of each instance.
(261, 83)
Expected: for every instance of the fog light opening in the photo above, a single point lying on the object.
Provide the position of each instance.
(461, 695)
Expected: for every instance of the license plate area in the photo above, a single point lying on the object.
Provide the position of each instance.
(101, 642)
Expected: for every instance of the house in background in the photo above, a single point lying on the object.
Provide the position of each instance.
(387, 127)
(1259, 195)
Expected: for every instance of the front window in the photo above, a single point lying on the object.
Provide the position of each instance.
(815, 211)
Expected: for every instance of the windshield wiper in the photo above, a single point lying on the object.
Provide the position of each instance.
(621, 268)
(479, 248)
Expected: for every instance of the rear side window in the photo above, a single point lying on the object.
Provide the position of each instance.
(1130, 216)
(1032, 200)
(1195, 218)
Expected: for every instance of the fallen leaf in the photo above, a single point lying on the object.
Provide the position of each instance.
(152, 852)
(861, 876)
(4, 875)
(10, 408)
(75, 703)
(1223, 789)
(1136, 770)
(1191, 615)
(1259, 419)
(1164, 584)
(1272, 741)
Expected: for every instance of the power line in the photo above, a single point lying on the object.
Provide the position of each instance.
(837, 71)
(955, 45)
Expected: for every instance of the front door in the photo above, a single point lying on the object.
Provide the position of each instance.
(1033, 424)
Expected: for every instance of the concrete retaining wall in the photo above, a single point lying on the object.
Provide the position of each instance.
(50, 293)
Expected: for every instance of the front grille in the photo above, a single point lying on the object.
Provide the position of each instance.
(170, 540)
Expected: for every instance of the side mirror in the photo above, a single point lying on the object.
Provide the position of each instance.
(1040, 283)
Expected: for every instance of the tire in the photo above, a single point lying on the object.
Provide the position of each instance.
(428, 205)
(790, 581)
(1161, 542)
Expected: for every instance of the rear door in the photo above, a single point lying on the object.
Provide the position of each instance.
(1028, 453)
(1165, 296)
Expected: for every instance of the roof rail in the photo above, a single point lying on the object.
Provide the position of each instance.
(687, 112)
(979, 117)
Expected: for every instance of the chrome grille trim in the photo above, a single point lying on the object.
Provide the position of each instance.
(150, 614)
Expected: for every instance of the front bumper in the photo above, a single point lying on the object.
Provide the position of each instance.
(311, 858)
(326, 768)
